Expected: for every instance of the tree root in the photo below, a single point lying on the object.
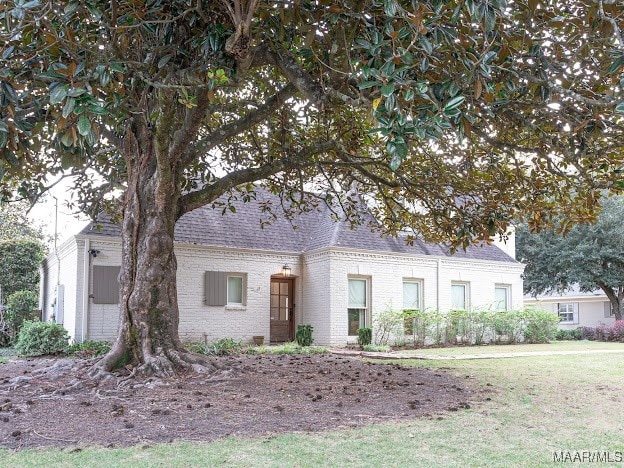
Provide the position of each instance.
(161, 364)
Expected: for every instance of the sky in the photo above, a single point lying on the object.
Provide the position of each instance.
(43, 214)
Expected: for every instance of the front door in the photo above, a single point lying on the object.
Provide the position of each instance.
(282, 310)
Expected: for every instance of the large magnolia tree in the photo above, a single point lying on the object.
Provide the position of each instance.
(450, 116)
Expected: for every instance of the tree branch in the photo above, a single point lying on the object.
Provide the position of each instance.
(210, 192)
(223, 133)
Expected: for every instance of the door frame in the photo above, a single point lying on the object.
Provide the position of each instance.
(291, 301)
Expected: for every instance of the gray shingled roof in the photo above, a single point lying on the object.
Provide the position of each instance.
(307, 231)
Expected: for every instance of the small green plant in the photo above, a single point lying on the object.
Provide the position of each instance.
(376, 348)
(89, 349)
(224, 347)
(303, 337)
(365, 336)
(39, 338)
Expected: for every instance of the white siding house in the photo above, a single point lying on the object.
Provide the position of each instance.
(231, 280)
(576, 308)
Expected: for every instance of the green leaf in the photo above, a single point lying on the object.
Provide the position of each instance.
(4, 138)
(620, 107)
(58, 93)
(453, 103)
(74, 92)
(617, 63)
(164, 60)
(426, 44)
(367, 84)
(68, 108)
(387, 89)
(84, 125)
(9, 92)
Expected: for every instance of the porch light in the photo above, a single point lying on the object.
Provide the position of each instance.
(286, 270)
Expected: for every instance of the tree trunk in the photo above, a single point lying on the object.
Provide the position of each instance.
(616, 298)
(148, 325)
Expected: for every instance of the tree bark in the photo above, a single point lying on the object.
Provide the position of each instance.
(148, 326)
(616, 298)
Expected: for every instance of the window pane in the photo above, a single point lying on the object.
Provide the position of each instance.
(458, 297)
(235, 290)
(411, 296)
(356, 320)
(500, 298)
(357, 293)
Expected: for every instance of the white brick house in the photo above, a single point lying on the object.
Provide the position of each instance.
(231, 281)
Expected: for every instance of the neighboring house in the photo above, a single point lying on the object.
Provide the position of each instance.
(238, 280)
(575, 308)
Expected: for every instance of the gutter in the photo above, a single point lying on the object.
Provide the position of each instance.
(86, 261)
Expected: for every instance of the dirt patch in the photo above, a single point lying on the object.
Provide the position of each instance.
(42, 405)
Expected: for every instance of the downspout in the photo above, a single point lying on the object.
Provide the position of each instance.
(439, 281)
(86, 261)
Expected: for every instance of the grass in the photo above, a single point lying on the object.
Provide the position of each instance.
(519, 348)
(538, 405)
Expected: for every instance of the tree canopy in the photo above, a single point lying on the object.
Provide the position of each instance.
(452, 117)
(589, 255)
(505, 105)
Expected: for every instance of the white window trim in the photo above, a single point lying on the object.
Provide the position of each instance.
(507, 288)
(466, 286)
(235, 305)
(367, 309)
(574, 312)
(421, 297)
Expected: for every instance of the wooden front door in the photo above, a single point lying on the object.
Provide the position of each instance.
(282, 310)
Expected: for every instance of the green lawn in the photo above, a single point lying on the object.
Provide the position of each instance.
(538, 405)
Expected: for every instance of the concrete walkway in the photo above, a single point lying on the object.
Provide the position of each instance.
(441, 357)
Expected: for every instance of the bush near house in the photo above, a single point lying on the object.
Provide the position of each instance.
(601, 332)
(431, 327)
(303, 337)
(40, 338)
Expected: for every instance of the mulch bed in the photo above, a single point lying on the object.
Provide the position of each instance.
(44, 403)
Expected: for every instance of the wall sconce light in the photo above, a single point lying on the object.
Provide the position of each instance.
(286, 270)
(94, 253)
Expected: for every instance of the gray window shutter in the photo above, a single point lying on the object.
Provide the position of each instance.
(607, 309)
(106, 284)
(576, 313)
(215, 288)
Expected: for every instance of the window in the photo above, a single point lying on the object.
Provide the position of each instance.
(223, 288)
(412, 293)
(459, 296)
(502, 297)
(567, 312)
(608, 310)
(235, 289)
(357, 305)
(105, 284)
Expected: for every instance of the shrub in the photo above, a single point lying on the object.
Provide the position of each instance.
(376, 348)
(540, 326)
(89, 349)
(21, 306)
(388, 324)
(587, 333)
(602, 332)
(20, 260)
(303, 337)
(365, 336)
(617, 331)
(39, 338)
